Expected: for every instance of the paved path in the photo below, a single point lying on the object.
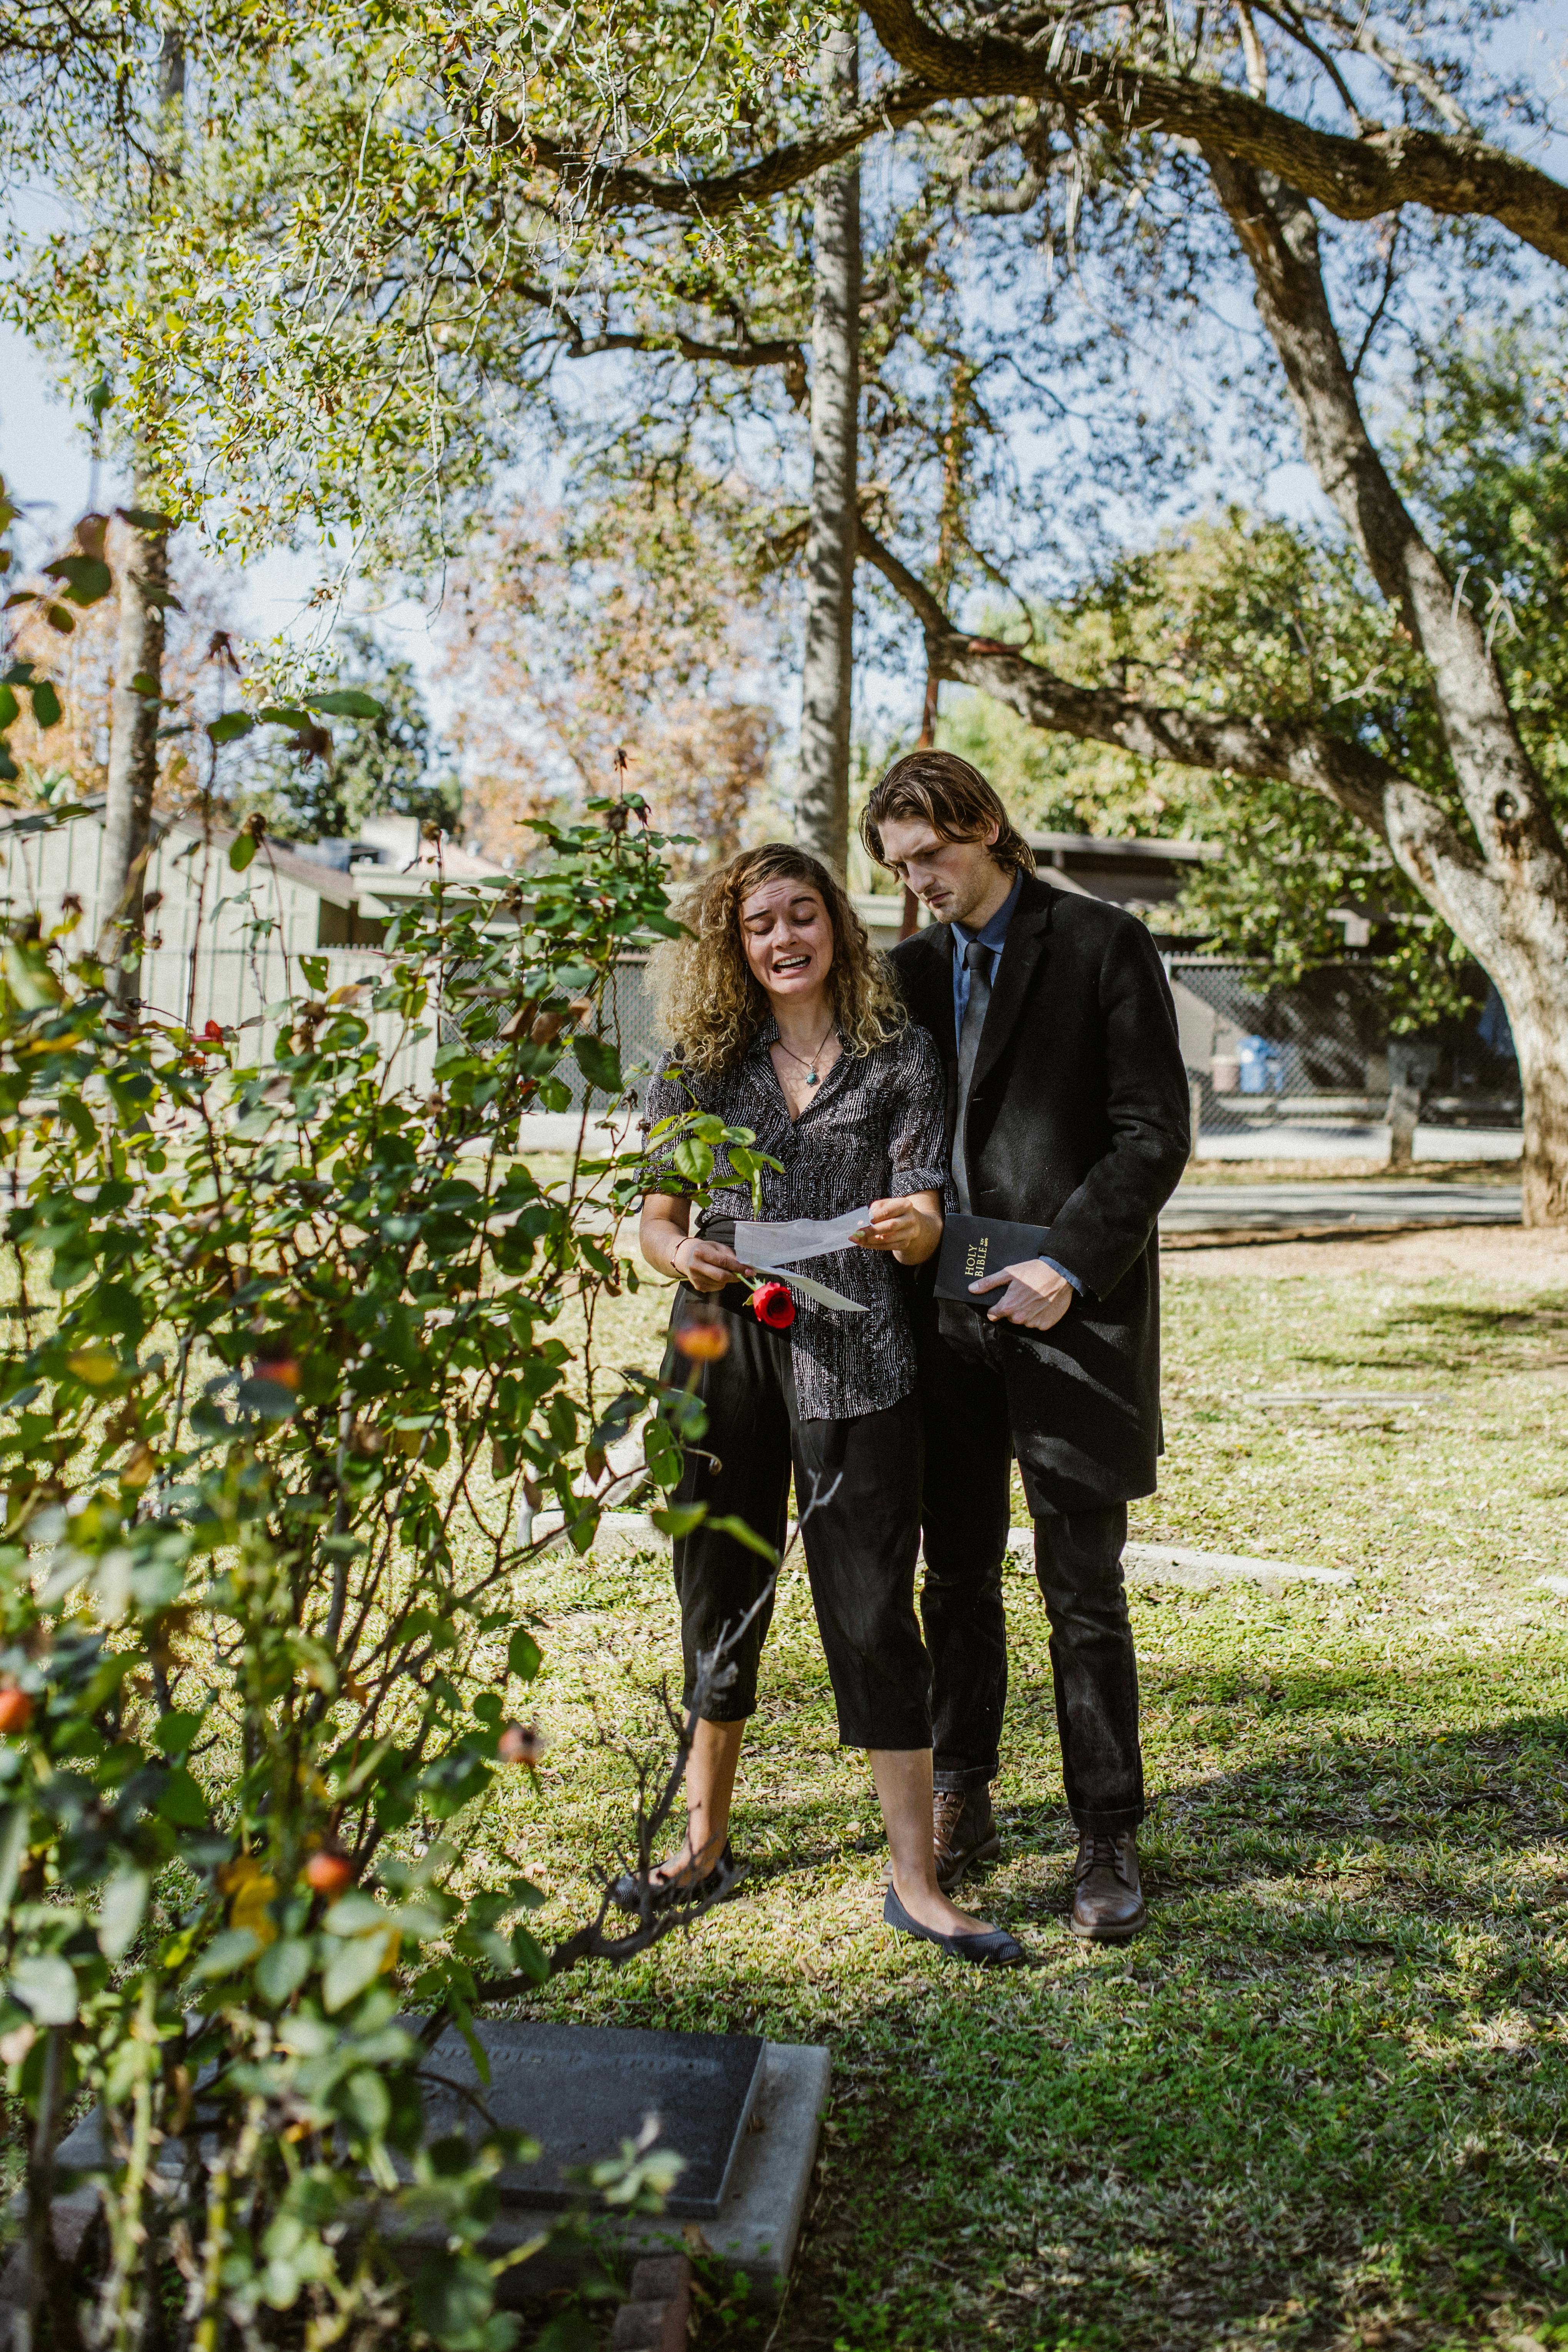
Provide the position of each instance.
(1302, 1138)
(1197, 1207)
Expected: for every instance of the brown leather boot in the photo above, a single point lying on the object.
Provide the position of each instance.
(963, 1829)
(1107, 1896)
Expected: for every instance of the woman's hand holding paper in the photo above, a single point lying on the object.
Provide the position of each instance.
(909, 1226)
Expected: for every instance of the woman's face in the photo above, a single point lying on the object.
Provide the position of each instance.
(787, 934)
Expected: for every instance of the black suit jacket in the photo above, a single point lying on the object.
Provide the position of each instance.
(1078, 1121)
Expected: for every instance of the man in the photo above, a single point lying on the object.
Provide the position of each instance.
(1068, 1108)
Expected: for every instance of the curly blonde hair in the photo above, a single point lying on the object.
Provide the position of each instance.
(708, 1000)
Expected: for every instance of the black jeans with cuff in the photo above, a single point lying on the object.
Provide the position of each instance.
(861, 1548)
(974, 1396)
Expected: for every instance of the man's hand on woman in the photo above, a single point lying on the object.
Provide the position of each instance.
(910, 1227)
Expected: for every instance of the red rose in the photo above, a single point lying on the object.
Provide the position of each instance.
(774, 1304)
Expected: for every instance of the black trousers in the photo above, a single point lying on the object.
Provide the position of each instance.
(972, 1402)
(860, 1548)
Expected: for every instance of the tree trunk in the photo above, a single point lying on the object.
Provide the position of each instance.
(1532, 980)
(133, 738)
(1509, 903)
(136, 706)
(822, 799)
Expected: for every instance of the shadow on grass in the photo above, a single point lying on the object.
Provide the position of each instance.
(1318, 2103)
(1473, 1336)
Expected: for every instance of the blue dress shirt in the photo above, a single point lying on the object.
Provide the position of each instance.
(992, 935)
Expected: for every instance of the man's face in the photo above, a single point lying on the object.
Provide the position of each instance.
(959, 881)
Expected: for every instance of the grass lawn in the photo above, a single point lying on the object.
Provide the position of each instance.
(1320, 2100)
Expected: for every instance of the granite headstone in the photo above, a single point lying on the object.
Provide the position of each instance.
(580, 2090)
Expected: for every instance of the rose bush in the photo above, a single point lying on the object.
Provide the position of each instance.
(282, 1374)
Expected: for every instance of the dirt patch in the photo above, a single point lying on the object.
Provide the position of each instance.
(1537, 1259)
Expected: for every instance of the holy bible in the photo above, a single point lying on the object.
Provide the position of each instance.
(975, 1247)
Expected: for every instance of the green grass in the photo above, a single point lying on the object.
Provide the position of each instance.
(1320, 2102)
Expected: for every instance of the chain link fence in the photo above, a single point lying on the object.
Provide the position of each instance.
(1322, 1049)
(1318, 1050)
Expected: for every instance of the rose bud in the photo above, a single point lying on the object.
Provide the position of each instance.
(328, 1874)
(212, 1034)
(520, 1743)
(15, 1709)
(703, 1339)
(283, 1369)
(772, 1303)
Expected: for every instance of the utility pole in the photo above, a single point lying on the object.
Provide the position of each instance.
(822, 801)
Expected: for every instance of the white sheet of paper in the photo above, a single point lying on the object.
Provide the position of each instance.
(785, 1243)
(817, 1290)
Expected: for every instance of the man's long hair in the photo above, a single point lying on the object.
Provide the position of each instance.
(955, 801)
(707, 995)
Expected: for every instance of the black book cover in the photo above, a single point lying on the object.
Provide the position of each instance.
(973, 1247)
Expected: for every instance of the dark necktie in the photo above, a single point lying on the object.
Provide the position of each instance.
(978, 958)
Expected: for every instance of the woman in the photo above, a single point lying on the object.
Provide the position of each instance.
(789, 1026)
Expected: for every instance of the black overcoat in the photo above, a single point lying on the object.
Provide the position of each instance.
(1078, 1121)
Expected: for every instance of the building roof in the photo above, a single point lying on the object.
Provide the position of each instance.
(1117, 849)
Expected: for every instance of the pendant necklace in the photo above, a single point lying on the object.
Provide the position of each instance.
(809, 1067)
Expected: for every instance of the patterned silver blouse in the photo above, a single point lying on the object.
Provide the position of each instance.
(872, 1130)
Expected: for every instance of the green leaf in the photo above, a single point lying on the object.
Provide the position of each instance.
(27, 969)
(78, 1116)
(10, 709)
(354, 1913)
(228, 729)
(366, 2102)
(87, 578)
(523, 1654)
(146, 518)
(225, 1953)
(46, 1984)
(176, 1730)
(13, 1846)
(731, 1526)
(346, 702)
(453, 2297)
(183, 1803)
(599, 1063)
(121, 1912)
(528, 1955)
(352, 1967)
(680, 1518)
(283, 1968)
(241, 850)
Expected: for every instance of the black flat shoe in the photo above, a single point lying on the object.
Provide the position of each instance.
(723, 1879)
(997, 1950)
